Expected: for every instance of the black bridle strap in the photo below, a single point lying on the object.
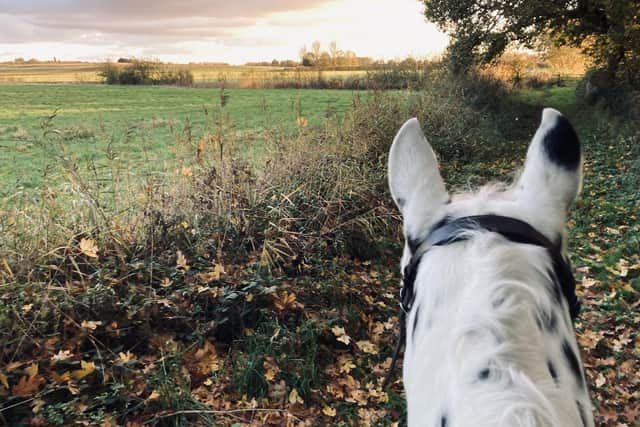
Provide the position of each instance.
(512, 229)
(457, 230)
(396, 353)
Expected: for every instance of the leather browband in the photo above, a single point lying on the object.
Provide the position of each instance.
(512, 229)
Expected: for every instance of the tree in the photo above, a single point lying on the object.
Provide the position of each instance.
(334, 52)
(316, 49)
(302, 53)
(481, 30)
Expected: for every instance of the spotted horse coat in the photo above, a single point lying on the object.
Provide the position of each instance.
(489, 324)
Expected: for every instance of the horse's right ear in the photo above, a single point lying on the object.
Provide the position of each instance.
(414, 179)
(552, 174)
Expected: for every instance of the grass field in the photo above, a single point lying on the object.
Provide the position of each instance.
(237, 75)
(141, 124)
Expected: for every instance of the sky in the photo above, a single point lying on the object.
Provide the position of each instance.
(233, 31)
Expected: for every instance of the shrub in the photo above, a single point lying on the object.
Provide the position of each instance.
(141, 72)
(621, 97)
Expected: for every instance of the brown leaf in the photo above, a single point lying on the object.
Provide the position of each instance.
(62, 378)
(345, 364)
(271, 368)
(211, 276)
(367, 347)
(27, 386)
(286, 301)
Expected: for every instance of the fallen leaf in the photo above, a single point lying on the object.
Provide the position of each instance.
(86, 368)
(600, 380)
(345, 364)
(73, 387)
(329, 412)
(590, 339)
(211, 276)
(3, 381)
(208, 360)
(89, 248)
(32, 370)
(294, 397)
(285, 301)
(588, 282)
(341, 335)
(367, 347)
(90, 324)
(271, 368)
(27, 386)
(181, 261)
(126, 357)
(61, 355)
(59, 379)
(38, 404)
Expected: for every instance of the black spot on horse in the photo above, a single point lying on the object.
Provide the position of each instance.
(483, 375)
(443, 421)
(552, 371)
(572, 360)
(561, 144)
(555, 287)
(583, 416)
(401, 202)
(547, 321)
(497, 302)
(415, 321)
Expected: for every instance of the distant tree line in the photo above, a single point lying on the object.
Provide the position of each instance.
(333, 57)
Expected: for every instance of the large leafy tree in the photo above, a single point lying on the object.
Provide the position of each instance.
(608, 30)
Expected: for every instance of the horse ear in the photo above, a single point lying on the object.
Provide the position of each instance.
(414, 179)
(552, 175)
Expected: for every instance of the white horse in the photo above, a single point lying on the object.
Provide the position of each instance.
(488, 292)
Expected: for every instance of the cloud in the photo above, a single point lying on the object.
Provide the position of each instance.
(234, 31)
(152, 9)
(27, 21)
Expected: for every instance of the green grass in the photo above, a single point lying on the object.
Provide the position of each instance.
(141, 125)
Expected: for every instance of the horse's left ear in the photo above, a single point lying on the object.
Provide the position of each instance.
(414, 179)
(552, 175)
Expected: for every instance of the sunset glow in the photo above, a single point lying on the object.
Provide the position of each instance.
(207, 31)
